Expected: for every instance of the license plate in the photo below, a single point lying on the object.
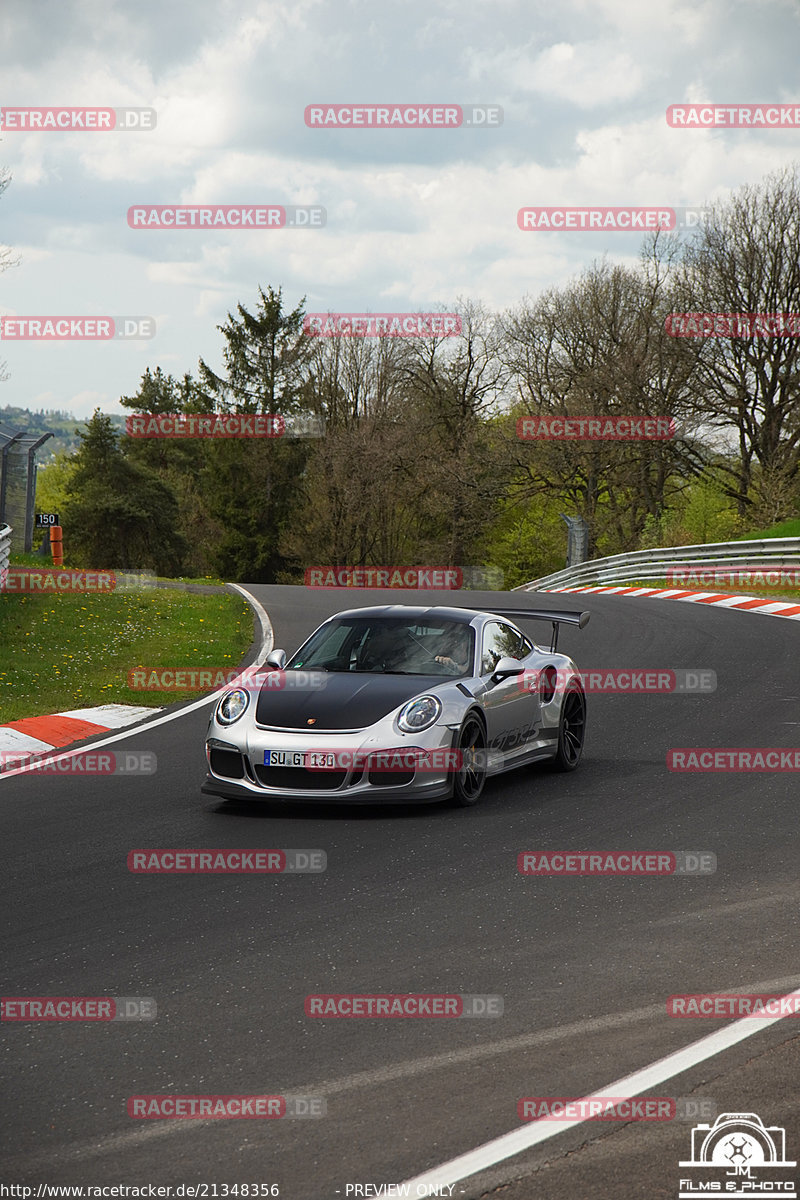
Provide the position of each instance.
(298, 758)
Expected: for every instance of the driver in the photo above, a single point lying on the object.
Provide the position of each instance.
(456, 647)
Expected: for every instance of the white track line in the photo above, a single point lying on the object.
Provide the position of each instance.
(113, 716)
(267, 633)
(267, 641)
(532, 1134)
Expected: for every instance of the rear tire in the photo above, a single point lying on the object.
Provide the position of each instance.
(471, 775)
(571, 728)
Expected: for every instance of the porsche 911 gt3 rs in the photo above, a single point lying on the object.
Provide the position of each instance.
(399, 703)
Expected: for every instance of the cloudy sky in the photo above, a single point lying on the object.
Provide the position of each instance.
(415, 218)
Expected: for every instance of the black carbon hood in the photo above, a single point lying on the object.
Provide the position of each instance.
(345, 700)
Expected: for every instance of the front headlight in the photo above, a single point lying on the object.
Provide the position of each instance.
(419, 714)
(232, 705)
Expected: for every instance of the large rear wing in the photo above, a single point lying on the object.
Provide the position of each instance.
(581, 619)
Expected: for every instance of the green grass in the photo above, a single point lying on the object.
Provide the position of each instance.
(31, 559)
(785, 530)
(63, 651)
(18, 558)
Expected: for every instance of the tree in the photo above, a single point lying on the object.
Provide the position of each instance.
(361, 498)
(265, 356)
(178, 462)
(52, 480)
(599, 347)
(250, 485)
(746, 259)
(118, 514)
(365, 479)
(455, 385)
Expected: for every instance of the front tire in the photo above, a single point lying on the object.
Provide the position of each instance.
(571, 728)
(471, 774)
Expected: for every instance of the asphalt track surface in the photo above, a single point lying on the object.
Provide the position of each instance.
(423, 899)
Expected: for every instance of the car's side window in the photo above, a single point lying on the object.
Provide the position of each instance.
(500, 641)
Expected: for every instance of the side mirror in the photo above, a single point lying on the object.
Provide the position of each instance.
(276, 659)
(506, 667)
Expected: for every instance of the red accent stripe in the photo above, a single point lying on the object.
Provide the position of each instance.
(790, 610)
(56, 730)
(723, 596)
(759, 602)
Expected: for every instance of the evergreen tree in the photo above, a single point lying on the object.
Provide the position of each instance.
(118, 514)
(250, 485)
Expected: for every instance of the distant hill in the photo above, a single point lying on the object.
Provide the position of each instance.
(56, 421)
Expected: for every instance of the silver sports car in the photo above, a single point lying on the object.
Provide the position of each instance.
(397, 703)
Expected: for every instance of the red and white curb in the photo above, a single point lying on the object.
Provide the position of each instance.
(769, 608)
(37, 735)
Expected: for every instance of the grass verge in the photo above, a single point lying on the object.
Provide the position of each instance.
(63, 651)
(786, 529)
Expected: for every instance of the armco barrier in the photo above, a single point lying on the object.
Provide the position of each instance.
(5, 551)
(653, 564)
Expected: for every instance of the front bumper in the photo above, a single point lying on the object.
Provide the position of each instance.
(236, 770)
(229, 790)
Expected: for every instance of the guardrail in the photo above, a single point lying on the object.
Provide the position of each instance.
(5, 551)
(654, 564)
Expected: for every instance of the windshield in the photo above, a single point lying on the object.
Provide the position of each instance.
(389, 645)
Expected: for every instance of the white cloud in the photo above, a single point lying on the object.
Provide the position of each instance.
(414, 218)
(589, 74)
